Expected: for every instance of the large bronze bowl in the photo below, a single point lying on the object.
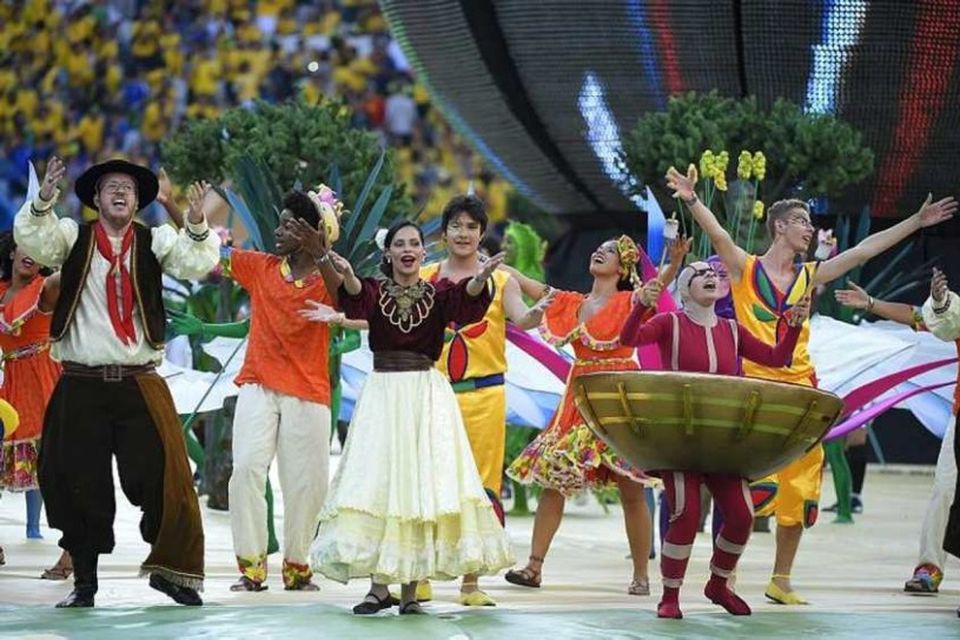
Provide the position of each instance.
(701, 422)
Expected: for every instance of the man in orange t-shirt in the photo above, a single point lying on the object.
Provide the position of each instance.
(283, 408)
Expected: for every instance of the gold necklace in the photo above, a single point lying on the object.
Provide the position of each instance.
(406, 307)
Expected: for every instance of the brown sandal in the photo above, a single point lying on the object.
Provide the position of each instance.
(526, 577)
(60, 571)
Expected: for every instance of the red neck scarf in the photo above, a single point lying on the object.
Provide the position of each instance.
(119, 284)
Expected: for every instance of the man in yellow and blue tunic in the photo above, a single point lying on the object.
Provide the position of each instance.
(474, 356)
(765, 288)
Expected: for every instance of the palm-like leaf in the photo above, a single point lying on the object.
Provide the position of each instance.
(247, 218)
(354, 222)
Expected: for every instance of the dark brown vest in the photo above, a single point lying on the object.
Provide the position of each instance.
(147, 278)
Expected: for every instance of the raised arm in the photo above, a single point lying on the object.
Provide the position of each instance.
(517, 310)
(37, 230)
(681, 247)
(639, 328)
(941, 311)
(165, 198)
(192, 252)
(313, 240)
(930, 213)
(683, 187)
(856, 298)
(50, 294)
(778, 355)
(531, 288)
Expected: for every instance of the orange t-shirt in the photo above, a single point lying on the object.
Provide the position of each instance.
(285, 352)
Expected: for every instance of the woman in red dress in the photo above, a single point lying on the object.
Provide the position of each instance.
(566, 458)
(27, 297)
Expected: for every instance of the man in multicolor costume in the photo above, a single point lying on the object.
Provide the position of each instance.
(474, 356)
(764, 289)
(928, 574)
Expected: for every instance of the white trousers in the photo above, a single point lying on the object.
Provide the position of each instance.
(938, 507)
(268, 423)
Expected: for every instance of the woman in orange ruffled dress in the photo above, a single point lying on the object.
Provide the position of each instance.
(28, 294)
(566, 458)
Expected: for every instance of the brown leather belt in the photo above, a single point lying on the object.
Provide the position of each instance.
(393, 361)
(106, 372)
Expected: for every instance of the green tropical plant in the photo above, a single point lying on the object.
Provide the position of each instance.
(817, 152)
(294, 142)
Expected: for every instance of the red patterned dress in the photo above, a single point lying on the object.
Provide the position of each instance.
(29, 376)
(566, 456)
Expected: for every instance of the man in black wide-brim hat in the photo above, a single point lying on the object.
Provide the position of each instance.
(107, 331)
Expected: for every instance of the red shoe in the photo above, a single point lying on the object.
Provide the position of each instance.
(669, 610)
(719, 593)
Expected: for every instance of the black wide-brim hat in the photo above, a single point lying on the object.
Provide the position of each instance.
(147, 183)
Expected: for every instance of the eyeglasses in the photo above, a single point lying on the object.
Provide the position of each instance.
(707, 271)
(113, 188)
(802, 221)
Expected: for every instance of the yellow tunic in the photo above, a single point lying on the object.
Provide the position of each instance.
(793, 492)
(474, 359)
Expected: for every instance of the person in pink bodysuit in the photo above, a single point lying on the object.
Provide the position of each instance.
(696, 339)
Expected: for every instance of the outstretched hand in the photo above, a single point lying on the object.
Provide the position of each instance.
(185, 324)
(938, 286)
(679, 249)
(855, 297)
(932, 213)
(319, 312)
(649, 293)
(546, 300)
(340, 264)
(799, 312)
(490, 266)
(196, 192)
(54, 172)
(312, 239)
(165, 187)
(682, 185)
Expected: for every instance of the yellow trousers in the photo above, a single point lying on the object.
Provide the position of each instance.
(485, 417)
(793, 491)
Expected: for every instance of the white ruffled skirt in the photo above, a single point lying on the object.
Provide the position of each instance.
(407, 502)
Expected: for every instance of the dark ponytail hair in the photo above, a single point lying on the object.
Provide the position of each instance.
(7, 247)
(385, 266)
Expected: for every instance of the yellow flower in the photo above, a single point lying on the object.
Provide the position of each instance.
(706, 164)
(723, 159)
(721, 181)
(744, 165)
(758, 210)
(759, 165)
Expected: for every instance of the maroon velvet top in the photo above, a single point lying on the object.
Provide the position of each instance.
(442, 303)
(688, 346)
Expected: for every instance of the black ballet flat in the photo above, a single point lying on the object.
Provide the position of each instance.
(367, 608)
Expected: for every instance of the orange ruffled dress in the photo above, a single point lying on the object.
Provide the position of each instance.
(29, 376)
(566, 456)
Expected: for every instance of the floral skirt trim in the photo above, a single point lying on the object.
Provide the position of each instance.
(253, 567)
(572, 463)
(295, 574)
(18, 467)
(394, 550)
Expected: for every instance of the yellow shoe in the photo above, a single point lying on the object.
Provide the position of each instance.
(780, 596)
(424, 593)
(476, 599)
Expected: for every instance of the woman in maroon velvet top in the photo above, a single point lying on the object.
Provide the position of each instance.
(695, 339)
(407, 503)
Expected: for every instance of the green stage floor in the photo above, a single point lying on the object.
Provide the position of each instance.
(324, 621)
